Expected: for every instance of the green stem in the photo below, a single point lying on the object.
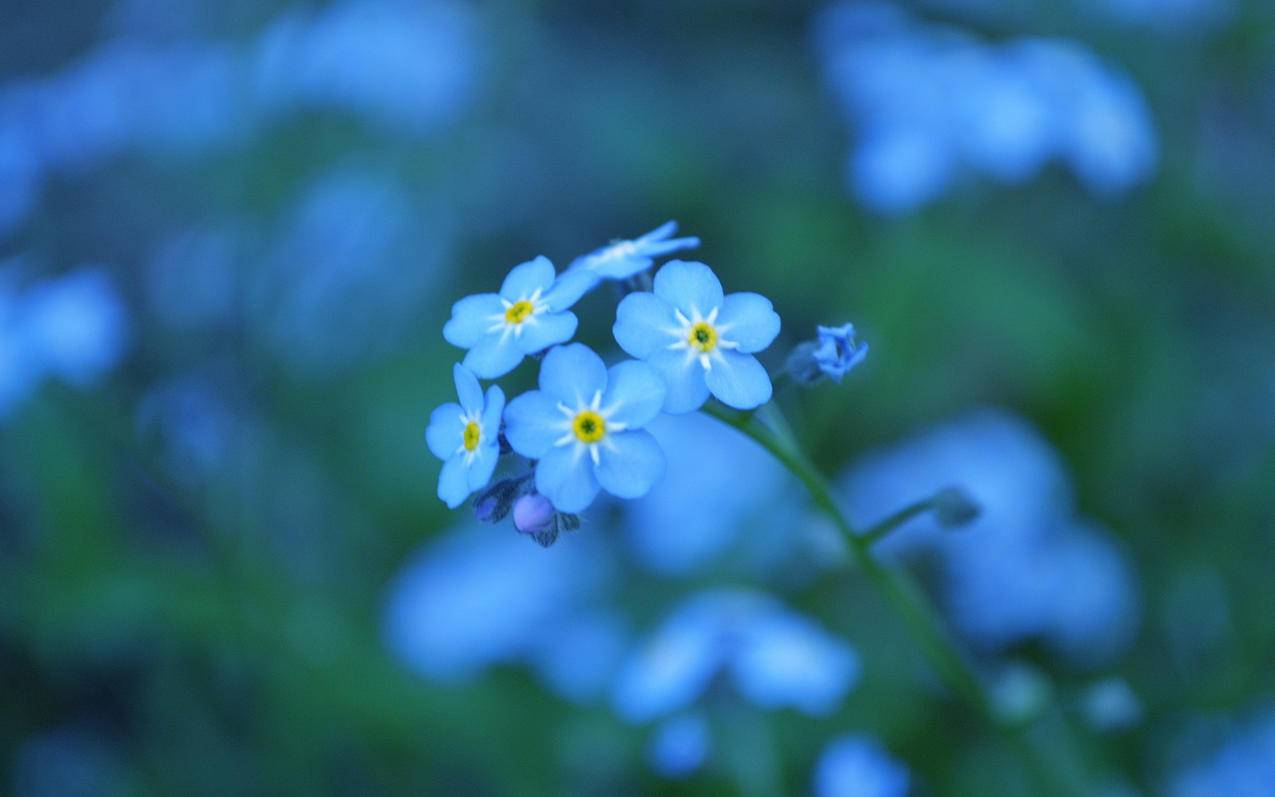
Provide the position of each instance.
(896, 586)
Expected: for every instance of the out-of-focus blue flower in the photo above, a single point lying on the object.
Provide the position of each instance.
(1110, 705)
(832, 355)
(777, 659)
(530, 314)
(76, 325)
(700, 340)
(857, 766)
(407, 65)
(584, 425)
(19, 179)
(622, 259)
(481, 596)
(1243, 767)
(1025, 567)
(931, 103)
(466, 437)
(578, 658)
(68, 762)
(679, 746)
(719, 483)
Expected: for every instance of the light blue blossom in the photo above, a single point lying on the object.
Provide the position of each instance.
(699, 340)
(680, 746)
(622, 259)
(832, 355)
(466, 437)
(776, 659)
(76, 325)
(1244, 766)
(527, 316)
(857, 766)
(584, 425)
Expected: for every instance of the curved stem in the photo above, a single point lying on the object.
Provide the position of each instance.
(896, 586)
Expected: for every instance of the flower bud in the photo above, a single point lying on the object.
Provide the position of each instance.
(831, 356)
(536, 517)
(954, 507)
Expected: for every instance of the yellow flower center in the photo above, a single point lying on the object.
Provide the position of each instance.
(589, 427)
(519, 312)
(473, 435)
(703, 337)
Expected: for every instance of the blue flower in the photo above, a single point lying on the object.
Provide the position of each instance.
(698, 339)
(856, 766)
(778, 659)
(838, 353)
(584, 425)
(622, 259)
(1244, 766)
(528, 315)
(466, 437)
(680, 746)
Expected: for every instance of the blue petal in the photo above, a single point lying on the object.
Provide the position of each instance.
(545, 330)
(532, 424)
(568, 289)
(644, 324)
(684, 379)
(634, 395)
(492, 411)
(453, 482)
(484, 465)
(738, 380)
(572, 374)
(689, 287)
(660, 233)
(748, 319)
(492, 359)
(631, 465)
(445, 432)
(468, 389)
(664, 247)
(526, 278)
(471, 318)
(565, 475)
(621, 268)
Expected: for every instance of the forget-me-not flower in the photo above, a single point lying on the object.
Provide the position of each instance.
(699, 340)
(466, 437)
(584, 425)
(857, 766)
(831, 356)
(528, 315)
(622, 259)
(778, 659)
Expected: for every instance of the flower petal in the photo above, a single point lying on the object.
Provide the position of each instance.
(471, 318)
(565, 476)
(750, 320)
(445, 432)
(493, 358)
(453, 482)
(526, 278)
(468, 389)
(484, 464)
(644, 324)
(545, 330)
(689, 287)
(631, 464)
(568, 289)
(684, 378)
(620, 269)
(661, 232)
(635, 393)
(572, 374)
(738, 380)
(492, 411)
(533, 423)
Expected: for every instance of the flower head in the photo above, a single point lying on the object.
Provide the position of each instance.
(466, 437)
(622, 259)
(584, 425)
(699, 340)
(833, 355)
(857, 766)
(528, 315)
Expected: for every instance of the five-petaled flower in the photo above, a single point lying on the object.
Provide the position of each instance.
(584, 425)
(466, 437)
(622, 259)
(528, 315)
(699, 340)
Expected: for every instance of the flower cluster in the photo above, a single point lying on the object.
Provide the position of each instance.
(583, 430)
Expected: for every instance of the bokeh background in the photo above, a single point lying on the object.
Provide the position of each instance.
(231, 231)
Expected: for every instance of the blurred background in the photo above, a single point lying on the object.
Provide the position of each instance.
(231, 231)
